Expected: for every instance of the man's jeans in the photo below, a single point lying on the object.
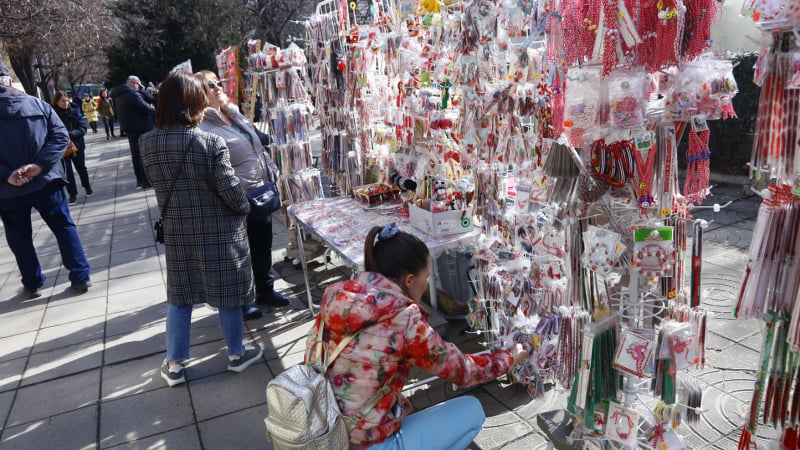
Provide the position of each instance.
(51, 203)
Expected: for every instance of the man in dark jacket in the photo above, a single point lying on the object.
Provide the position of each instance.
(32, 176)
(136, 117)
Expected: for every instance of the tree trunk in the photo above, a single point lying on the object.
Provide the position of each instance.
(22, 63)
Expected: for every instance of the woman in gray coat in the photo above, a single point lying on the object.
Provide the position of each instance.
(205, 234)
(253, 167)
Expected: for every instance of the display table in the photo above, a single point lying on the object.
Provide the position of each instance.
(342, 224)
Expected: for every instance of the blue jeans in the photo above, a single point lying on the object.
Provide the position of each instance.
(450, 425)
(179, 322)
(52, 206)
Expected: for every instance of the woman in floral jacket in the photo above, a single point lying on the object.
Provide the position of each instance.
(396, 336)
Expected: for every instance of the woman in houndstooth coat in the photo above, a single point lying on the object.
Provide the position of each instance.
(205, 234)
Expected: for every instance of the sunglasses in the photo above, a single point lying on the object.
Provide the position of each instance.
(212, 85)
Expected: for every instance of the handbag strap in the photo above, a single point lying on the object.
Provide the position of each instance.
(385, 389)
(177, 175)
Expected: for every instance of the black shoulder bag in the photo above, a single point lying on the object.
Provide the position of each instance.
(158, 228)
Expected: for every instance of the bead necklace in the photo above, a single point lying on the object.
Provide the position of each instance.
(697, 167)
(669, 29)
(609, 33)
(697, 35)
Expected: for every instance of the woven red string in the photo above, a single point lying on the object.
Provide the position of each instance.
(695, 188)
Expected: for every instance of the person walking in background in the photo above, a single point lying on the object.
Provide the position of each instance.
(32, 176)
(136, 118)
(77, 127)
(89, 108)
(204, 210)
(105, 107)
(253, 167)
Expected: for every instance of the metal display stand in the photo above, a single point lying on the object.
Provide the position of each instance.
(342, 225)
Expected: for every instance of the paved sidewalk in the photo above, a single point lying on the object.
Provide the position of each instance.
(81, 371)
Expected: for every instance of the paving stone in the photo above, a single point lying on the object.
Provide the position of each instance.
(73, 430)
(55, 397)
(6, 398)
(277, 366)
(500, 428)
(185, 438)
(248, 423)
(733, 329)
(16, 303)
(717, 342)
(156, 412)
(754, 342)
(131, 218)
(285, 338)
(16, 346)
(64, 295)
(102, 219)
(207, 359)
(206, 329)
(137, 299)
(133, 282)
(20, 323)
(132, 377)
(127, 321)
(143, 342)
(228, 392)
(132, 262)
(64, 361)
(530, 441)
(11, 373)
(66, 313)
(734, 358)
(69, 334)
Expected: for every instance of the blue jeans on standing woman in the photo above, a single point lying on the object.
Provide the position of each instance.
(52, 206)
(79, 161)
(179, 322)
(450, 425)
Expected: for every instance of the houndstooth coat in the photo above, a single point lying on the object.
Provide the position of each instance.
(205, 229)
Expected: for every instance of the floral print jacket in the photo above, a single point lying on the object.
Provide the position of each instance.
(396, 335)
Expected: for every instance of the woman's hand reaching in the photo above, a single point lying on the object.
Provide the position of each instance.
(519, 353)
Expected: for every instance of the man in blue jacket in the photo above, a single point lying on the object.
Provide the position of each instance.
(32, 176)
(136, 116)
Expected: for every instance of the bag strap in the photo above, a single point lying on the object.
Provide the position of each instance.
(385, 389)
(177, 175)
(358, 416)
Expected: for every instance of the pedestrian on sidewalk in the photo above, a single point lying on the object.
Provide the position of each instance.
(32, 175)
(136, 118)
(383, 301)
(77, 127)
(204, 210)
(106, 109)
(89, 108)
(253, 167)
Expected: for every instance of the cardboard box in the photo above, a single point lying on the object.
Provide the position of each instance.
(444, 223)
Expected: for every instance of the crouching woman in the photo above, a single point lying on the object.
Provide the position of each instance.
(383, 301)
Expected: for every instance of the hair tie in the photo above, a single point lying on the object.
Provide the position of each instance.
(388, 232)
